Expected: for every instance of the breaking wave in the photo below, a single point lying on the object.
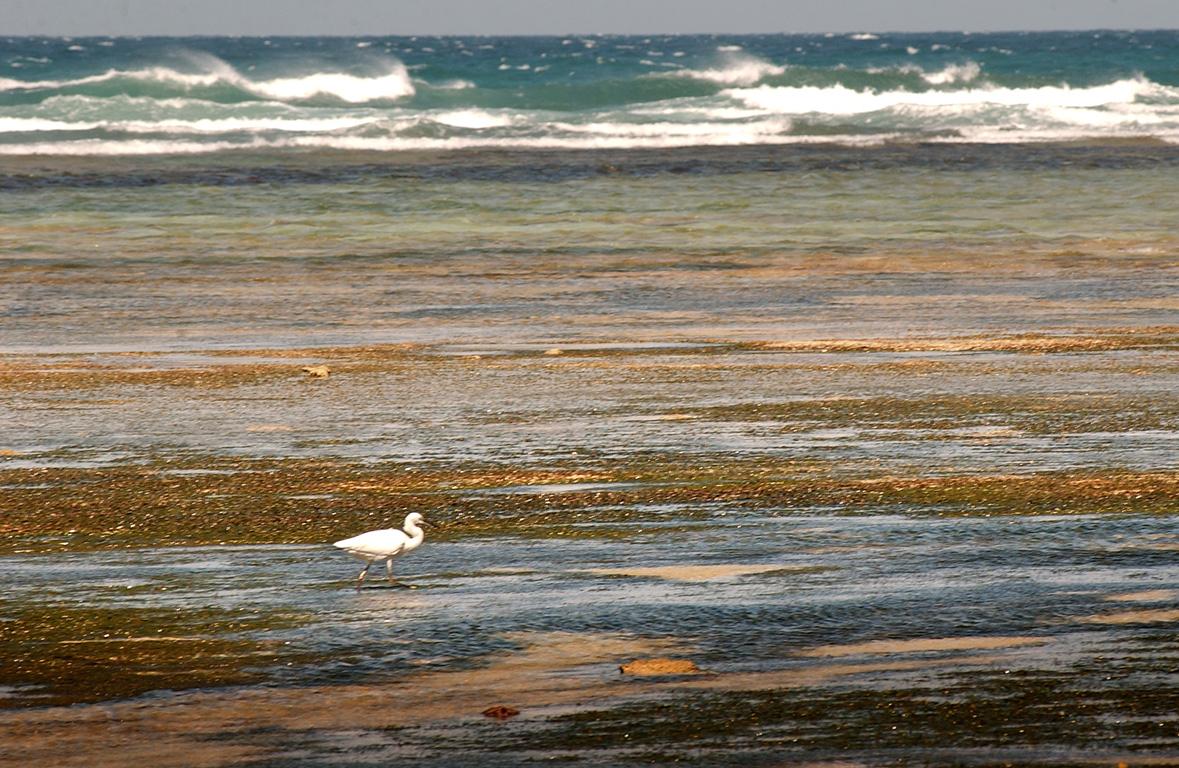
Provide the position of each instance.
(733, 70)
(392, 84)
(841, 100)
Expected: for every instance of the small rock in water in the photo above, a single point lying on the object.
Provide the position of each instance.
(649, 667)
(317, 371)
(554, 351)
(500, 712)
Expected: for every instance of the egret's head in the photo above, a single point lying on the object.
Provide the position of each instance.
(415, 518)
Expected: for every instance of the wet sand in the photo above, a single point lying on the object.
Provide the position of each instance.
(696, 572)
(929, 645)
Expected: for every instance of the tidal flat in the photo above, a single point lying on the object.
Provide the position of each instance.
(900, 484)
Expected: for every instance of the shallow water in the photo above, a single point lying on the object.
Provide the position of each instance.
(845, 580)
(671, 246)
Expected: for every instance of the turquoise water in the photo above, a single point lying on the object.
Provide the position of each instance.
(647, 245)
(99, 96)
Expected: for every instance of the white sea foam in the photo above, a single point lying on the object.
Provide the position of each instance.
(1119, 117)
(80, 105)
(725, 132)
(474, 119)
(37, 125)
(863, 36)
(742, 70)
(104, 147)
(954, 73)
(350, 88)
(841, 100)
(606, 139)
(157, 74)
(452, 85)
(202, 126)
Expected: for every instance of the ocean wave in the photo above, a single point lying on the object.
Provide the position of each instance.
(740, 70)
(200, 126)
(79, 105)
(951, 74)
(353, 89)
(841, 100)
(393, 84)
(472, 119)
(966, 72)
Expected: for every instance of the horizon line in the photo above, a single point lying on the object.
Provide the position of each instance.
(826, 33)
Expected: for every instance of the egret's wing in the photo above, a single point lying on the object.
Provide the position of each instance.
(385, 543)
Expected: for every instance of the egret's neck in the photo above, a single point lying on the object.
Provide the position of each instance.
(416, 534)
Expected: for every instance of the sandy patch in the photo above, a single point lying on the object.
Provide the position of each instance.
(694, 572)
(1163, 615)
(922, 645)
(1094, 340)
(1146, 596)
(822, 674)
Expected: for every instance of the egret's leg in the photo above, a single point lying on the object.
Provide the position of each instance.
(363, 573)
(389, 569)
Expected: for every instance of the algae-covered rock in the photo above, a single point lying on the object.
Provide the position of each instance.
(656, 667)
(500, 712)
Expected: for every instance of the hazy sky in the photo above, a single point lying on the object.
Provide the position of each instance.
(499, 17)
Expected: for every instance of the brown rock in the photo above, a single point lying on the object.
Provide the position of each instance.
(652, 667)
(500, 712)
(317, 371)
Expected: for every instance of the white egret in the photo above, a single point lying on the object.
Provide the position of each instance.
(385, 544)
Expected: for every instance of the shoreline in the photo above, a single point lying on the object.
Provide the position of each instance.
(306, 165)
